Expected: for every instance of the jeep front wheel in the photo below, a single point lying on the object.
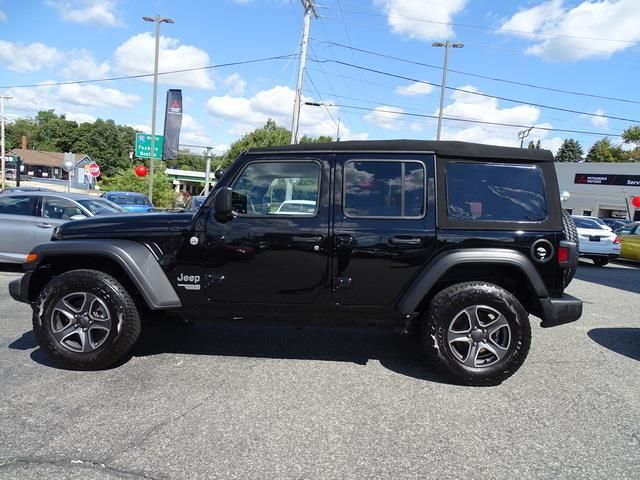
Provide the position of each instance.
(478, 332)
(86, 320)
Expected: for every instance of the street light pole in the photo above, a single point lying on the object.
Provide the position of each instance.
(157, 20)
(4, 172)
(447, 45)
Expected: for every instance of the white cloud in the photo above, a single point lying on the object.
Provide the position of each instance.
(28, 58)
(141, 127)
(486, 109)
(417, 88)
(95, 96)
(80, 117)
(136, 56)
(277, 104)
(414, 19)
(235, 84)
(598, 121)
(63, 98)
(103, 12)
(193, 133)
(562, 33)
(3, 16)
(389, 118)
(82, 65)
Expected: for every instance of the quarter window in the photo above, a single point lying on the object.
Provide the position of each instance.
(495, 192)
(384, 189)
(278, 188)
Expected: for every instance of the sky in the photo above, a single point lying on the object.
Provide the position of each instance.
(568, 68)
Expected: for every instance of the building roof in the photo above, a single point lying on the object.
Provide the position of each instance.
(44, 159)
(441, 148)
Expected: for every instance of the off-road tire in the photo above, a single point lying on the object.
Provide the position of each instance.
(446, 308)
(570, 234)
(120, 309)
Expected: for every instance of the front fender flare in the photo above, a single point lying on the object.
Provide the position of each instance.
(138, 263)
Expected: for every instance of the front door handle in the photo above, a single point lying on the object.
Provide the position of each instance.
(405, 240)
(45, 225)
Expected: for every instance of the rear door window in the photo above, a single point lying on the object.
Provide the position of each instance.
(495, 192)
(16, 205)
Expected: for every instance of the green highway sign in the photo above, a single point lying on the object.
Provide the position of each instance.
(143, 145)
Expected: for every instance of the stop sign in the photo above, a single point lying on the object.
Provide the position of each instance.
(94, 170)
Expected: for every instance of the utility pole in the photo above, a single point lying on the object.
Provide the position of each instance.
(309, 9)
(207, 172)
(157, 20)
(4, 173)
(447, 45)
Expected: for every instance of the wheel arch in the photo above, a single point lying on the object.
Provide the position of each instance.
(509, 269)
(129, 261)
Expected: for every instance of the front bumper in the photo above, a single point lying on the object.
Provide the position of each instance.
(19, 289)
(560, 310)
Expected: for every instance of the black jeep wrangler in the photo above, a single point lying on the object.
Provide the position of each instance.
(461, 240)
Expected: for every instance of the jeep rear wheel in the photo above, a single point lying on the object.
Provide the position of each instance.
(477, 332)
(86, 320)
(571, 234)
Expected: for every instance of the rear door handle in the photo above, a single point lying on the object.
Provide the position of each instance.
(405, 240)
(45, 225)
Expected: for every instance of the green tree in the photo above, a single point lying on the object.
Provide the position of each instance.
(270, 135)
(16, 129)
(569, 151)
(126, 180)
(54, 133)
(534, 146)
(632, 135)
(604, 151)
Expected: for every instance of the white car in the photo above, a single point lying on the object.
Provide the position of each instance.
(596, 241)
(297, 207)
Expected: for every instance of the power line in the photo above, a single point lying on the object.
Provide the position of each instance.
(486, 77)
(482, 122)
(506, 99)
(144, 75)
(483, 27)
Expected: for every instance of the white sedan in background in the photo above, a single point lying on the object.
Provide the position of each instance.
(596, 241)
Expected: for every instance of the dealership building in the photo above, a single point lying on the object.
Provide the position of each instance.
(600, 189)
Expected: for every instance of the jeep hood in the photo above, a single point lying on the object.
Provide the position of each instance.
(142, 225)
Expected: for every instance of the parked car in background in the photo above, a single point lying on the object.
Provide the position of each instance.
(614, 223)
(27, 219)
(130, 201)
(26, 188)
(630, 241)
(297, 207)
(10, 173)
(194, 203)
(598, 220)
(596, 241)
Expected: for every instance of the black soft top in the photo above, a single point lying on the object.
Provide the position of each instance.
(440, 148)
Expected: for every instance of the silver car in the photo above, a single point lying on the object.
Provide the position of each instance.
(27, 219)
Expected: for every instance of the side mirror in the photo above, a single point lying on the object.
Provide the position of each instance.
(77, 217)
(218, 174)
(222, 205)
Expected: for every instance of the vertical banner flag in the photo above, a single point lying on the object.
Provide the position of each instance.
(172, 124)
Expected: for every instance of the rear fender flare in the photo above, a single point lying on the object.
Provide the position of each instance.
(442, 263)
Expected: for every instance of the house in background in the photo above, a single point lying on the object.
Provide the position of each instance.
(48, 166)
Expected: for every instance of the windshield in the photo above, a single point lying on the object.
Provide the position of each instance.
(588, 223)
(100, 206)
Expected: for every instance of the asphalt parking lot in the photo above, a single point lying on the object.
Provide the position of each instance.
(207, 401)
